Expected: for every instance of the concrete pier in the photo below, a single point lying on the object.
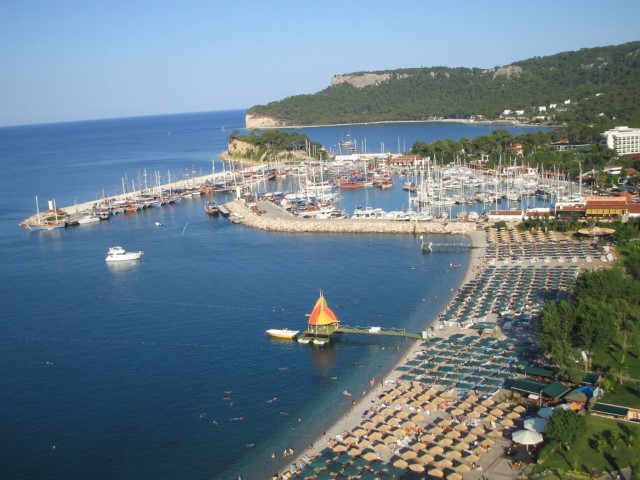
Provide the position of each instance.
(276, 219)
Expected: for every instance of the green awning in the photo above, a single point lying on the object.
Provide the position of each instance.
(591, 378)
(528, 386)
(555, 390)
(540, 372)
(606, 409)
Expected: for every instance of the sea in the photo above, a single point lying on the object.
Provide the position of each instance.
(160, 369)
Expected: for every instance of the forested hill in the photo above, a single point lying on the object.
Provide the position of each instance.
(593, 85)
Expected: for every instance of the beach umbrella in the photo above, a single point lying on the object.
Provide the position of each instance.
(496, 412)
(378, 418)
(473, 458)
(402, 415)
(426, 458)
(387, 411)
(478, 431)
(506, 422)
(495, 433)
(453, 434)
(435, 472)
(444, 463)
(418, 418)
(436, 450)
(364, 443)
(375, 436)
(424, 397)
(462, 467)
(519, 409)
(457, 411)
(436, 431)
(503, 405)
(427, 437)
(400, 463)
(416, 404)
(480, 408)
(465, 406)
(416, 467)
(545, 412)
(354, 452)
(445, 442)
(488, 402)
(454, 454)
(370, 456)
(490, 418)
(473, 415)
(535, 424)
(526, 437)
(460, 446)
(454, 476)
(379, 446)
(418, 446)
(368, 425)
(488, 442)
(444, 423)
(339, 448)
(408, 454)
(359, 431)
(385, 428)
(513, 415)
(408, 425)
(472, 399)
(393, 421)
(461, 427)
(389, 439)
(471, 437)
(401, 400)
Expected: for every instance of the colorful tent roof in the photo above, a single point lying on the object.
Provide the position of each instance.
(322, 314)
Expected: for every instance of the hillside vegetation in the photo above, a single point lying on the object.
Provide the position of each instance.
(600, 84)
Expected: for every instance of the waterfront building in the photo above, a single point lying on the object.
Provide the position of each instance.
(624, 140)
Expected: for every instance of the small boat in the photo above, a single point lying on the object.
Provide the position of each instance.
(119, 254)
(456, 265)
(304, 340)
(282, 333)
(158, 224)
(211, 208)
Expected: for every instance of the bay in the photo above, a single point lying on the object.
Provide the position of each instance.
(161, 369)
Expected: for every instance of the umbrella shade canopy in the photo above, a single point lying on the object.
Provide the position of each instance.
(526, 437)
(545, 412)
(454, 454)
(408, 454)
(472, 415)
(519, 409)
(436, 472)
(400, 463)
(416, 467)
(444, 463)
(535, 424)
(461, 427)
(513, 415)
(436, 450)
(457, 411)
(480, 408)
(506, 422)
(370, 456)
(454, 476)
(445, 442)
(462, 468)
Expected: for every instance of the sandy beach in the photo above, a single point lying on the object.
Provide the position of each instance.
(354, 417)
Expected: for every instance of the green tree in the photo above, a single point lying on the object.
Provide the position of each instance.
(565, 426)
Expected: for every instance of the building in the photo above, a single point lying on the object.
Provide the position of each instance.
(624, 140)
(565, 144)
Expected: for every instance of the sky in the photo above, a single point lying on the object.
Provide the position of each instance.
(66, 60)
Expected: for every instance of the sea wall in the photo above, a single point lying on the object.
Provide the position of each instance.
(283, 221)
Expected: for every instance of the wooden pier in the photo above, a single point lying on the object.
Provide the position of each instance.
(316, 338)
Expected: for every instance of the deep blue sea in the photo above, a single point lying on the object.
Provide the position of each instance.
(160, 369)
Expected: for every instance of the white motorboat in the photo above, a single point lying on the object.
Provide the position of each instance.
(282, 333)
(119, 254)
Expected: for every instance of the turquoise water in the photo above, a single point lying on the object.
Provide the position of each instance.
(161, 369)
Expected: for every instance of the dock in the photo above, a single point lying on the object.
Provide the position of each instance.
(309, 336)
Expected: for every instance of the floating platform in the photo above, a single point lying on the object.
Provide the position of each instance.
(311, 337)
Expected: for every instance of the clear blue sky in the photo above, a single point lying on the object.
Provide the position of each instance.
(83, 59)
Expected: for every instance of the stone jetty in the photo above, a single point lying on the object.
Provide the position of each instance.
(272, 218)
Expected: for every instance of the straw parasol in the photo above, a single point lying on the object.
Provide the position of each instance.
(408, 454)
(390, 439)
(379, 446)
(478, 431)
(454, 476)
(354, 452)
(445, 442)
(461, 427)
(444, 423)
(418, 418)
(393, 421)
(459, 446)
(496, 412)
(368, 425)
(408, 425)
(488, 442)
(470, 437)
(428, 437)
(490, 418)
(370, 456)
(520, 409)
(375, 436)
(435, 472)
(503, 405)
(472, 399)
(426, 458)
(385, 428)
(488, 402)
(513, 415)
(473, 415)
(436, 430)
(430, 406)
(402, 415)
(444, 463)
(462, 468)
(472, 458)
(495, 433)
(454, 454)
(506, 422)
(480, 408)
(359, 431)
(453, 434)
(400, 463)
(364, 443)
(416, 467)
(418, 446)
(436, 450)
(465, 406)
(387, 411)
(378, 418)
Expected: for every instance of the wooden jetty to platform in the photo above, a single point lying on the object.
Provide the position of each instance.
(317, 338)
(430, 247)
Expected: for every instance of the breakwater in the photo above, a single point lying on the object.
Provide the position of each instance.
(275, 219)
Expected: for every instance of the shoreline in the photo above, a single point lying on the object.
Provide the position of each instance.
(352, 418)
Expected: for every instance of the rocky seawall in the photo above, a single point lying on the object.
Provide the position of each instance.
(276, 219)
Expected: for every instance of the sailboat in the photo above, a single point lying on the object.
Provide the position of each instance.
(46, 224)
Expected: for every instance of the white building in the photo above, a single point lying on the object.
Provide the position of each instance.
(623, 140)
